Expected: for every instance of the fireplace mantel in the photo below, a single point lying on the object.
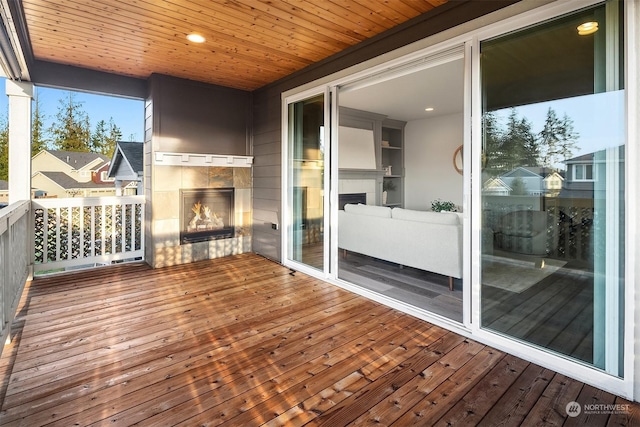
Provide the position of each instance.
(192, 159)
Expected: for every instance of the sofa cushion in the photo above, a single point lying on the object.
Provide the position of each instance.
(446, 218)
(369, 210)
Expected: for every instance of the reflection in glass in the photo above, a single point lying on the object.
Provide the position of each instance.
(306, 182)
(553, 187)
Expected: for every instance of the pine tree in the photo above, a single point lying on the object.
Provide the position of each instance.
(557, 139)
(519, 145)
(71, 131)
(518, 187)
(105, 137)
(115, 135)
(492, 147)
(39, 141)
(530, 148)
(99, 137)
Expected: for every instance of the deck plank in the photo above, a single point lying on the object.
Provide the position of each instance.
(245, 341)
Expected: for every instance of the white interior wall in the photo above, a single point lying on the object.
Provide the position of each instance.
(428, 155)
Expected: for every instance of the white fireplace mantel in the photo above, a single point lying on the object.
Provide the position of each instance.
(163, 158)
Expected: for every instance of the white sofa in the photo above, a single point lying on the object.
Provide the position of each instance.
(429, 241)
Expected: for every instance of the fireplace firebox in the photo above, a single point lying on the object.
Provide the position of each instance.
(206, 214)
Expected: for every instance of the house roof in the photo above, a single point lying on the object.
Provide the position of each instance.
(77, 159)
(583, 158)
(66, 182)
(530, 171)
(495, 184)
(129, 152)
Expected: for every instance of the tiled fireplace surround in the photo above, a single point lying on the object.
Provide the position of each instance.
(164, 241)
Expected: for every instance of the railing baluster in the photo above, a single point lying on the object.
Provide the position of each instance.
(45, 235)
(69, 233)
(81, 228)
(93, 231)
(114, 222)
(58, 239)
(103, 243)
(132, 224)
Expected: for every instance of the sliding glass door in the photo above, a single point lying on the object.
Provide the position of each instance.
(398, 133)
(552, 263)
(305, 182)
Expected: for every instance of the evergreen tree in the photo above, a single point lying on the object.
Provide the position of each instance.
(530, 148)
(518, 187)
(519, 145)
(492, 146)
(115, 135)
(105, 137)
(71, 131)
(4, 149)
(39, 141)
(99, 137)
(557, 139)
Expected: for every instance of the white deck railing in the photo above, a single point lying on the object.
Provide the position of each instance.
(87, 231)
(14, 260)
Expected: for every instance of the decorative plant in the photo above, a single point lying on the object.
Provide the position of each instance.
(438, 205)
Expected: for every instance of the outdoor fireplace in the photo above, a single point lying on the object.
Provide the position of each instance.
(206, 214)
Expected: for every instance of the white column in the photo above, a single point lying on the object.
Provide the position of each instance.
(20, 95)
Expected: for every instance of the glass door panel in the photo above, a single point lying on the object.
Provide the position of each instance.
(552, 269)
(305, 189)
(397, 134)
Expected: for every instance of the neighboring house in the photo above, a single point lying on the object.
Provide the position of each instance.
(101, 175)
(4, 192)
(585, 170)
(71, 174)
(59, 184)
(126, 168)
(78, 165)
(532, 179)
(580, 177)
(496, 187)
(553, 184)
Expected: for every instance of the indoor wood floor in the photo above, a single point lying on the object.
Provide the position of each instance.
(422, 289)
(243, 341)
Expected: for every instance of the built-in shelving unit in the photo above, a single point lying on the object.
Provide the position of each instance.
(392, 158)
(388, 147)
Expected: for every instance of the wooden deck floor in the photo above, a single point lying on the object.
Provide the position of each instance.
(242, 341)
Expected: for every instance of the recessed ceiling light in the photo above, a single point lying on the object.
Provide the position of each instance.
(429, 109)
(587, 28)
(195, 38)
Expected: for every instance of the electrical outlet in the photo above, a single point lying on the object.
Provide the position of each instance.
(274, 226)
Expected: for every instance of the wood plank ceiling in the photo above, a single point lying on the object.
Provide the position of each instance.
(249, 43)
